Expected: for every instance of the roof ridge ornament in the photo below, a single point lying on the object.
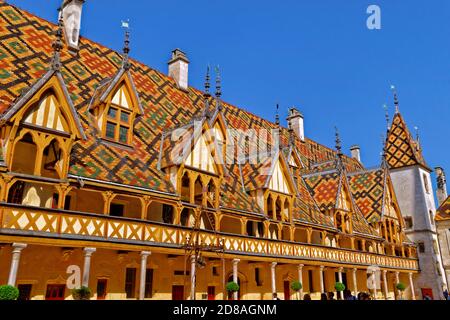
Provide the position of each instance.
(394, 91)
(126, 47)
(206, 94)
(277, 116)
(386, 115)
(218, 89)
(58, 45)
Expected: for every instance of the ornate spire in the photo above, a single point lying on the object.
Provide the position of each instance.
(207, 83)
(394, 91)
(416, 128)
(386, 115)
(218, 89)
(383, 149)
(218, 83)
(207, 95)
(338, 142)
(126, 46)
(277, 116)
(58, 45)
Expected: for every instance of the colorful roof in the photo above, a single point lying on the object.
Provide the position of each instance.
(443, 213)
(367, 188)
(25, 56)
(401, 149)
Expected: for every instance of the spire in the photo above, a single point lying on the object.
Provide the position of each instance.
(207, 95)
(277, 116)
(126, 47)
(58, 45)
(207, 83)
(386, 115)
(383, 150)
(218, 89)
(394, 91)
(416, 128)
(218, 83)
(338, 142)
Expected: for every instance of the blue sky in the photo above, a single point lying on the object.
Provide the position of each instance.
(316, 55)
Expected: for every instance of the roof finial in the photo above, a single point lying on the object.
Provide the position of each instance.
(386, 115)
(207, 83)
(58, 45)
(338, 141)
(416, 128)
(383, 150)
(218, 83)
(394, 91)
(277, 116)
(126, 46)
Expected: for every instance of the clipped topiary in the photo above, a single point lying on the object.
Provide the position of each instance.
(8, 292)
(339, 286)
(232, 286)
(83, 293)
(401, 287)
(297, 286)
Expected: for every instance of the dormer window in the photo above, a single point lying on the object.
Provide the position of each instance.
(119, 116)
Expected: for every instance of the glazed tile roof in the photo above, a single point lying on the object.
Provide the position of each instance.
(25, 54)
(401, 149)
(367, 188)
(443, 213)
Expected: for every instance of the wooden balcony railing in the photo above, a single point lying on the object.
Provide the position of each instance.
(83, 226)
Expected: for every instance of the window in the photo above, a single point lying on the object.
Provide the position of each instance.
(101, 289)
(55, 200)
(55, 292)
(214, 271)
(310, 279)
(421, 246)
(16, 193)
(167, 213)
(431, 217)
(24, 292)
(425, 182)
(67, 203)
(258, 277)
(119, 117)
(130, 282)
(117, 210)
(409, 222)
(181, 272)
(148, 283)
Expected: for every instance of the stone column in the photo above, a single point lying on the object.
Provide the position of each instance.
(15, 259)
(385, 285)
(144, 256)
(374, 281)
(411, 284)
(235, 276)
(397, 281)
(322, 287)
(193, 276)
(355, 282)
(273, 277)
(341, 293)
(300, 278)
(87, 265)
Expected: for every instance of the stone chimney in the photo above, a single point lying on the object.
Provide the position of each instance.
(71, 14)
(356, 152)
(441, 185)
(179, 68)
(295, 119)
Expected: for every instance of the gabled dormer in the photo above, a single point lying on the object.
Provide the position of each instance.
(116, 104)
(41, 126)
(116, 107)
(189, 155)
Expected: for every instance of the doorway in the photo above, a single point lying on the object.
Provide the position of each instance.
(177, 292)
(287, 290)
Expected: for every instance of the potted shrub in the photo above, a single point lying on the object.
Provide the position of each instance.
(339, 286)
(297, 286)
(8, 292)
(232, 287)
(83, 293)
(401, 287)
